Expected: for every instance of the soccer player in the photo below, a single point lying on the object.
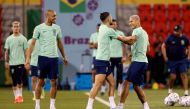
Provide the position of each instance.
(15, 49)
(34, 68)
(49, 36)
(103, 71)
(118, 56)
(135, 73)
(93, 45)
(176, 51)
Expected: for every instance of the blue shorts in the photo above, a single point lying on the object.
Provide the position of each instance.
(177, 66)
(93, 63)
(34, 71)
(48, 67)
(16, 74)
(136, 71)
(102, 67)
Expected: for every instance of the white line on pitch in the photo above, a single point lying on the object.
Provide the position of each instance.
(100, 100)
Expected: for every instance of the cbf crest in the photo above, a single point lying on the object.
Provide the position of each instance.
(54, 32)
(182, 42)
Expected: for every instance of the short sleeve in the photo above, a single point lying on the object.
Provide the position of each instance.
(112, 33)
(121, 33)
(136, 33)
(25, 43)
(36, 33)
(59, 35)
(29, 42)
(6, 44)
(91, 38)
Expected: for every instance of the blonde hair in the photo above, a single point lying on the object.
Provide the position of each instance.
(135, 17)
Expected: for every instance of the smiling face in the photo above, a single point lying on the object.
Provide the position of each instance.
(134, 21)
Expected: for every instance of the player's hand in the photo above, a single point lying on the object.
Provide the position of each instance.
(65, 60)
(124, 59)
(27, 66)
(129, 56)
(166, 59)
(6, 65)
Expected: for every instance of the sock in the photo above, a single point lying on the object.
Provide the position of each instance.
(112, 102)
(52, 102)
(170, 91)
(186, 93)
(20, 91)
(146, 106)
(120, 105)
(90, 103)
(15, 93)
(37, 102)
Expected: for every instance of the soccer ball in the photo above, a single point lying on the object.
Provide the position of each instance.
(174, 97)
(168, 101)
(171, 99)
(184, 101)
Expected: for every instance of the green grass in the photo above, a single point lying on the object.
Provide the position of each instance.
(78, 100)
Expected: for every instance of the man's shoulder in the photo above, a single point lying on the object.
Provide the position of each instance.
(40, 25)
(9, 37)
(94, 34)
(56, 26)
(23, 37)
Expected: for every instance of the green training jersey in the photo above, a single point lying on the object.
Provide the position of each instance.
(105, 36)
(35, 52)
(48, 36)
(139, 48)
(16, 46)
(93, 39)
(116, 46)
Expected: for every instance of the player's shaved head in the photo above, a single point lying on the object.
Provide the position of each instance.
(50, 16)
(49, 11)
(135, 17)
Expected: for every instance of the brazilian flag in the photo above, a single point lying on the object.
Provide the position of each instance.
(68, 6)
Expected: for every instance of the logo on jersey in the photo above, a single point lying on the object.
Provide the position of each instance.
(19, 43)
(54, 32)
(72, 6)
(173, 42)
(182, 42)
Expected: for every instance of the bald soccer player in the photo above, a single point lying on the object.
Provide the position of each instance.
(139, 46)
(49, 36)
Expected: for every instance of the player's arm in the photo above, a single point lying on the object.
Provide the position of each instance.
(127, 40)
(124, 48)
(6, 58)
(91, 45)
(29, 52)
(163, 49)
(6, 54)
(61, 48)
